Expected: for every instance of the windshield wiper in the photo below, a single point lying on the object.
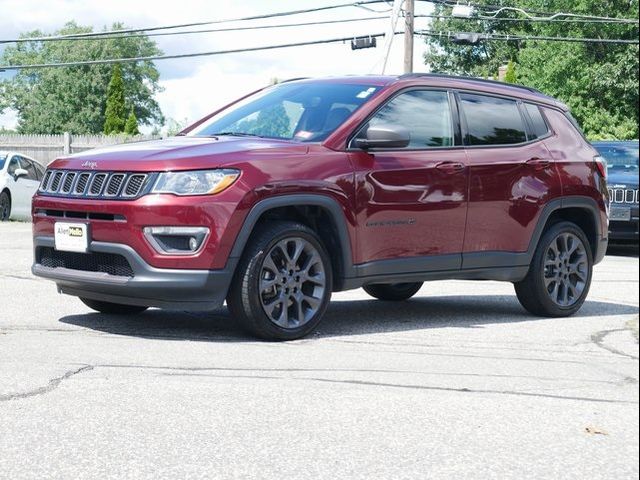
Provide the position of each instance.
(234, 134)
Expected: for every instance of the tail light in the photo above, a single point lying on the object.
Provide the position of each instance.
(601, 164)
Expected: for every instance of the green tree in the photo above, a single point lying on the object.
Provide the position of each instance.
(131, 125)
(114, 121)
(598, 81)
(54, 100)
(510, 75)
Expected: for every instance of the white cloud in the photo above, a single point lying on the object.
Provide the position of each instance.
(196, 86)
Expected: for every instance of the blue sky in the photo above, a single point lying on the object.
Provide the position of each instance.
(193, 87)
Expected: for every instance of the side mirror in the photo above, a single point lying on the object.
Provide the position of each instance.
(384, 136)
(20, 172)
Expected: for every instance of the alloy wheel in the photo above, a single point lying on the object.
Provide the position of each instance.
(292, 282)
(566, 269)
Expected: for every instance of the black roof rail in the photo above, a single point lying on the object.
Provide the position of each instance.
(293, 79)
(472, 79)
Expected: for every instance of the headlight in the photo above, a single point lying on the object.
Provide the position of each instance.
(199, 182)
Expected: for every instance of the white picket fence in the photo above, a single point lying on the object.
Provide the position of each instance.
(46, 148)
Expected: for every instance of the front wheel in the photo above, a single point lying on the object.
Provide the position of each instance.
(5, 207)
(112, 308)
(560, 274)
(283, 283)
(394, 292)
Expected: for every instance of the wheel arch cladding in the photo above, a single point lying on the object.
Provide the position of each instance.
(321, 213)
(583, 211)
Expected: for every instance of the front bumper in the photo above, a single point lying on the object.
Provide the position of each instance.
(626, 231)
(148, 286)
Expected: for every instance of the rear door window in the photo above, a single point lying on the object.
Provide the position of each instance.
(492, 120)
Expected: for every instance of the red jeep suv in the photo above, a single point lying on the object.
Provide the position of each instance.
(314, 186)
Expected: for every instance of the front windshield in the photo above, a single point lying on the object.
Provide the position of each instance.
(305, 112)
(623, 157)
(2, 160)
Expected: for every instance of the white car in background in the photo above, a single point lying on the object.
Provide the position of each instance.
(19, 179)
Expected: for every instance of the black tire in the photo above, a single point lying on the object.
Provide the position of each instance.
(538, 292)
(249, 291)
(393, 292)
(5, 207)
(112, 308)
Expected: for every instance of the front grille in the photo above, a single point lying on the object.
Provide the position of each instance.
(623, 195)
(110, 263)
(79, 184)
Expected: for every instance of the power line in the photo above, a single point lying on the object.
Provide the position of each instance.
(577, 18)
(200, 24)
(545, 16)
(208, 30)
(299, 24)
(182, 55)
(517, 38)
(313, 42)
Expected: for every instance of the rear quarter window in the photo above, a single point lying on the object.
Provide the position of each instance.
(492, 120)
(538, 124)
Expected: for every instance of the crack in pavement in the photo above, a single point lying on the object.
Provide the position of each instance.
(52, 385)
(203, 371)
(598, 339)
(416, 387)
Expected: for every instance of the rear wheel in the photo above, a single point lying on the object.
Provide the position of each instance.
(560, 274)
(283, 283)
(393, 291)
(5, 207)
(112, 308)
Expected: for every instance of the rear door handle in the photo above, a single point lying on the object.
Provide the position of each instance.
(451, 167)
(538, 163)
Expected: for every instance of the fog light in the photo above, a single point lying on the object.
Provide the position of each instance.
(176, 240)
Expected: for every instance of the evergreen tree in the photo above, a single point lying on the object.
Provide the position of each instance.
(510, 75)
(131, 125)
(114, 121)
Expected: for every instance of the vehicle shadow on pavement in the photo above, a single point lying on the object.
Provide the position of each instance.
(353, 317)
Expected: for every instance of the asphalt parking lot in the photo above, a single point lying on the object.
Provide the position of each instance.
(458, 383)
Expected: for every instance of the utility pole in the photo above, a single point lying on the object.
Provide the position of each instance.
(408, 35)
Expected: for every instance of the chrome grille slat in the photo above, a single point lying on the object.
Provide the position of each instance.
(45, 181)
(81, 184)
(133, 185)
(114, 184)
(67, 183)
(95, 187)
(90, 184)
(55, 182)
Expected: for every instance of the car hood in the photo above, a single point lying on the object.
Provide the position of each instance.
(180, 153)
(626, 179)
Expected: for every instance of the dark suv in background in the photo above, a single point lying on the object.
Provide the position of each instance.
(622, 176)
(320, 185)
